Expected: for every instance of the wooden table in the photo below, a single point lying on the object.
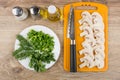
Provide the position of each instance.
(10, 69)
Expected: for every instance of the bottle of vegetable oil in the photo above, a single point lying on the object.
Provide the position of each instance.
(53, 13)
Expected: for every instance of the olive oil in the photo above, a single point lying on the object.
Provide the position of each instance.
(53, 13)
(42, 12)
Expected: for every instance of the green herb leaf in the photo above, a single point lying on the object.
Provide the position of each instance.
(38, 47)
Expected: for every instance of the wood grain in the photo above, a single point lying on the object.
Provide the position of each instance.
(10, 69)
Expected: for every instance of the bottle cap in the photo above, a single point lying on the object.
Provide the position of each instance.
(52, 9)
(17, 11)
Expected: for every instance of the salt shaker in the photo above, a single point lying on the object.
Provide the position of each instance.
(20, 13)
(34, 11)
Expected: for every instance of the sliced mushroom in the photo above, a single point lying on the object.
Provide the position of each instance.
(85, 20)
(88, 60)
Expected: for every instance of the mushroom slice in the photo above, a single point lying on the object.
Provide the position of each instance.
(83, 65)
(98, 27)
(85, 20)
(101, 47)
(86, 14)
(97, 15)
(86, 31)
(84, 25)
(87, 52)
(90, 39)
(99, 63)
(99, 56)
(88, 60)
(99, 53)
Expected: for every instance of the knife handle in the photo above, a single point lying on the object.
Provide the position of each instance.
(73, 58)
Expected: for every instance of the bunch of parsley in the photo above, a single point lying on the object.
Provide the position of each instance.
(38, 47)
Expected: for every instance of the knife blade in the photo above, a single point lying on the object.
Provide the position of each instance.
(72, 40)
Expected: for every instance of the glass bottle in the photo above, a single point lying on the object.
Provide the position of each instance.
(53, 13)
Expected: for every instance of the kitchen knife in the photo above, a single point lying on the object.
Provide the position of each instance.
(71, 28)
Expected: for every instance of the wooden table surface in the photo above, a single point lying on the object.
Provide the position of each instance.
(10, 69)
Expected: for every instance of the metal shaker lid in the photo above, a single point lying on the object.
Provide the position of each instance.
(17, 11)
(34, 10)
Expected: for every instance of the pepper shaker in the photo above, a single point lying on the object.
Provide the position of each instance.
(37, 12)
(20, 13)
(34, 11)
